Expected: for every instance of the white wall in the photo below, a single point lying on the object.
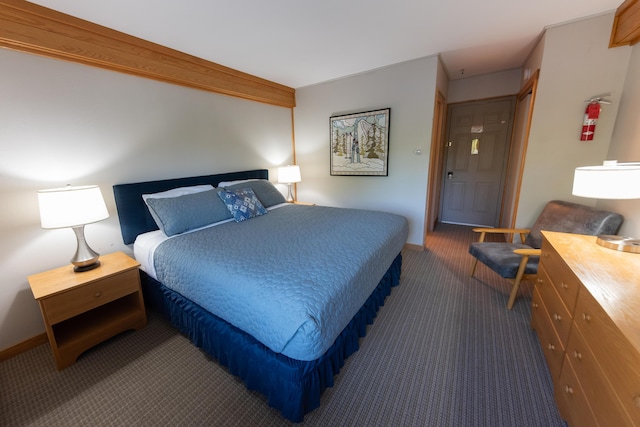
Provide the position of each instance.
(492, 85)
(65, 123)
(576, 65)
(625, 144)
(409, 90)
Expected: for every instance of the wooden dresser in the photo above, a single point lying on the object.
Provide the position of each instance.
(586, 313)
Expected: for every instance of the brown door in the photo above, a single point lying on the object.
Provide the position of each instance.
(477, 142)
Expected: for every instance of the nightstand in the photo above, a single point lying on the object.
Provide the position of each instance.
(81, 310)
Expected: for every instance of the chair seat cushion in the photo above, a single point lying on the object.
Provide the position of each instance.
(499, 257)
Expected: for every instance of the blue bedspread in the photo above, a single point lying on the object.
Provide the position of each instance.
(293, 278)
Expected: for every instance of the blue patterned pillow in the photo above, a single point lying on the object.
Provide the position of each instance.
(243, 204)
(266, 192)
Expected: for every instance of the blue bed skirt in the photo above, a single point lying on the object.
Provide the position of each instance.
(291, 386)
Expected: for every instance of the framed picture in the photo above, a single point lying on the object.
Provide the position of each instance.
(359, 143)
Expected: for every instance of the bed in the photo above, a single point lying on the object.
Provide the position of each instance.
(278, 293)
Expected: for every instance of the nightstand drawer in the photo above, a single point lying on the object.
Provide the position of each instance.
(81, 299)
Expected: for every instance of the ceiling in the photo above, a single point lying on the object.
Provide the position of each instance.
(302, 42)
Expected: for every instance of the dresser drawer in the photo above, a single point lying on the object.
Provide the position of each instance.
(573, 404)
(618, 359)
(558, 314)
(564, 280)
(78, 300)
(551, 345)
(605, 404)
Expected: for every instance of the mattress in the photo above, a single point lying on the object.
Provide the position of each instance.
(293, 278)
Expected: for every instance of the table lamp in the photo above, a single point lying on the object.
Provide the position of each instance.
(611, 180)
(74, 207)
(289, 175)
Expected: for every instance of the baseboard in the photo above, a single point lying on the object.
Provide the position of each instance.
(412, 247)
(23, 346)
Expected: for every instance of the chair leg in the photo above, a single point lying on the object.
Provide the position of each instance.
(473, 266)
(517, 280)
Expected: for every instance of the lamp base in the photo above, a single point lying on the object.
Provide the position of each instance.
(290, 193)
(82, 268)
(619, 243)
(85, 258)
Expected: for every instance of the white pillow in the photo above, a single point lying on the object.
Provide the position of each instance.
(240, 181)
(177, 192)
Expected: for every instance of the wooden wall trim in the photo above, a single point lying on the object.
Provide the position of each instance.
(28, 27)
(626, 24)
(20, 348)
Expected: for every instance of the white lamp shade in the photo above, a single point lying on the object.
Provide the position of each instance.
(71, 206)
(289, 174)
(612, 180)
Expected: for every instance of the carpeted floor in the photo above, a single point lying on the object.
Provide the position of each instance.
(443, 351)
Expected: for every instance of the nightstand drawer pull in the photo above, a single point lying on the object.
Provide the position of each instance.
(568, 389)
(586, 317)
(564, 285)
(551, 347)
(98, 294)
(577, 355)
(557, 317)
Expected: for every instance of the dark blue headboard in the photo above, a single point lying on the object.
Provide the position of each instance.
(133, 214)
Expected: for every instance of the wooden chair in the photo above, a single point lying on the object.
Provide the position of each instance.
(519, 261)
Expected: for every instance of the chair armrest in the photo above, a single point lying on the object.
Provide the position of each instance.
(501, 230)
(530, 252)
(521, 231)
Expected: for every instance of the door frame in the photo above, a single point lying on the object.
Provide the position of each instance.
(436, 164)
(436, 161)
(508, 204)
(503, 174)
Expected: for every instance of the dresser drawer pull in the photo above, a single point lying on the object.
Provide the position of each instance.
(577, 355)
(564, 285)
(586, 317)
(540, 281)
(98, 294)
(557, 317)
(534, 305)
(551, 347)
(568, 389)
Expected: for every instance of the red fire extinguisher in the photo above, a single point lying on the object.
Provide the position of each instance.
(591, 115)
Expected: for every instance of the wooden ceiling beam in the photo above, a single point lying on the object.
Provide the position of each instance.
(28, 27)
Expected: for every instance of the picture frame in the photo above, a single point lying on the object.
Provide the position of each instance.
(359, 143)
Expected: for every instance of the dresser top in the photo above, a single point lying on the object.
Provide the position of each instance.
(612, 277)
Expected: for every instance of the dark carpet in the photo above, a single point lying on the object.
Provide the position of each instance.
(443, 351)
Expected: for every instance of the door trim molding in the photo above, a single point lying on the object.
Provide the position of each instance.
(529, 88)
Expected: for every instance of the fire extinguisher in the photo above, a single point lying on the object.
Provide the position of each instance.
(591, 115)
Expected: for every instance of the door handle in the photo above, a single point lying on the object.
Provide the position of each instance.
(449, 175)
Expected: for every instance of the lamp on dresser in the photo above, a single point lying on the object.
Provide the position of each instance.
(74, 207)
(289, 175)
(611, 180)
